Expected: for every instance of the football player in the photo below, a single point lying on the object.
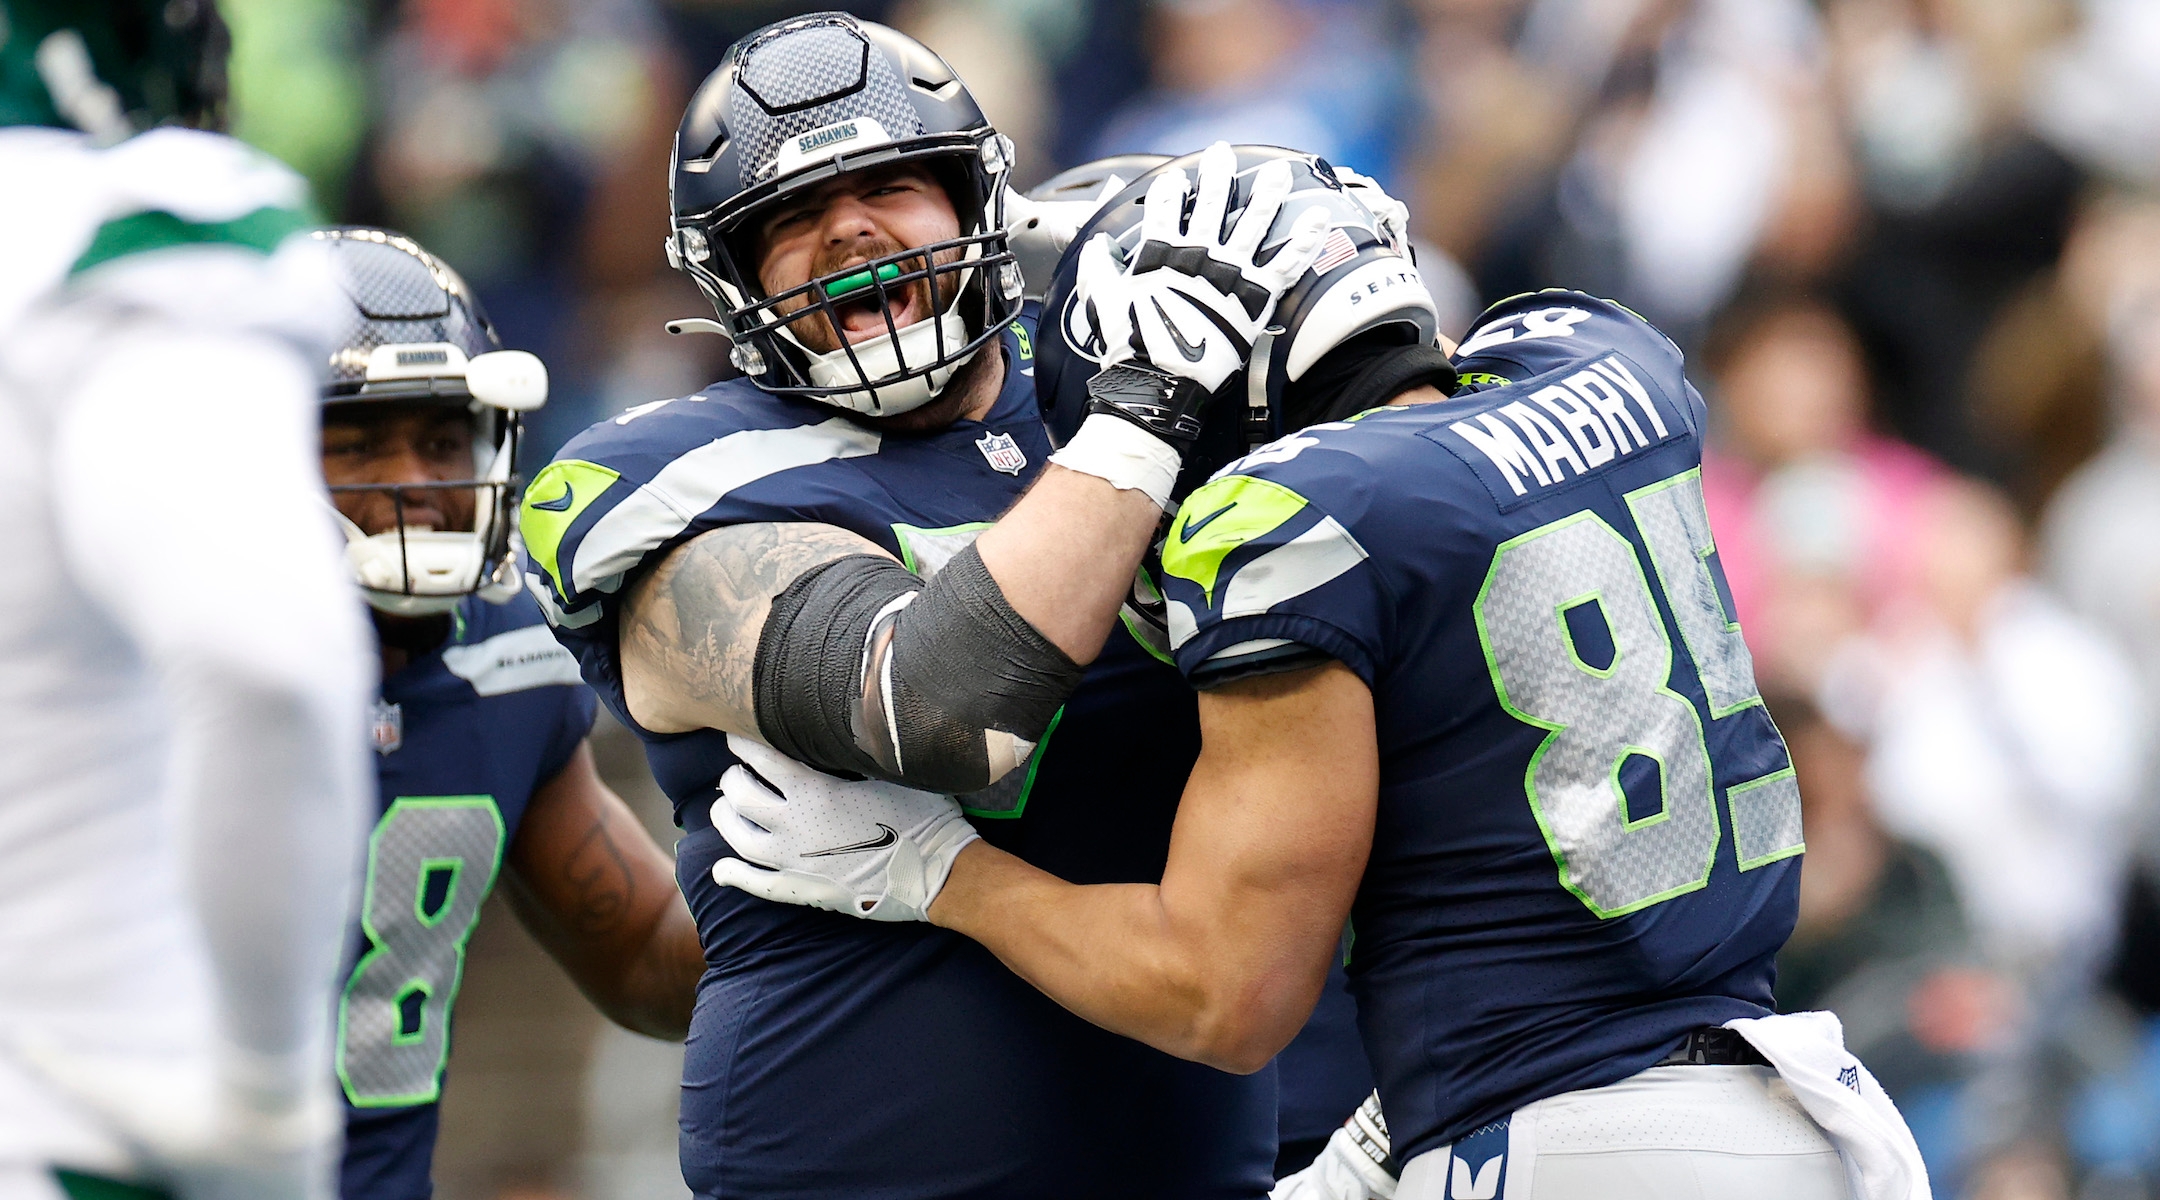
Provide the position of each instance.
(1467, 676)
(479, 727)
(807, 556)
(183, 670)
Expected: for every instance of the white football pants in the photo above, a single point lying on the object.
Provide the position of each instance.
(1669, 1133)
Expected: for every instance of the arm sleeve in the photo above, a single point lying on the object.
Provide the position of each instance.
(191, 506)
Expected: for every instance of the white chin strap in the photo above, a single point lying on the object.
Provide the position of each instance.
(882, 356)
(887, 355)
(409, 572)
(444, 569)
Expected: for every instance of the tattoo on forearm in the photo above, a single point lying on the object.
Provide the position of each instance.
(599, 883)
(695, 619)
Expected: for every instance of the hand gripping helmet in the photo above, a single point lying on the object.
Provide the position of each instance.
(1055, 209)
(790, 107)
(417, 336)
(112, 67)
(1363, 285)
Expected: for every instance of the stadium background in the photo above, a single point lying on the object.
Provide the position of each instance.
(1912, 248)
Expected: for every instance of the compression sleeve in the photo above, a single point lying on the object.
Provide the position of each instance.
(863, 668)
(191, 506)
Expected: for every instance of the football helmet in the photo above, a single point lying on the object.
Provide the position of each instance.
(790, 107)
(112, 68)
(417, 336)
(1363, 283)
(1045, 218)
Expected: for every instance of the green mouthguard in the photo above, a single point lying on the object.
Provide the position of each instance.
(858, 281)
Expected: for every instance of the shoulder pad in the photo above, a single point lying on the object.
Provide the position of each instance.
(163, 190)
(637, 482)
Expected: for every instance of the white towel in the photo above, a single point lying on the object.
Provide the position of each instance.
(1808, 1049)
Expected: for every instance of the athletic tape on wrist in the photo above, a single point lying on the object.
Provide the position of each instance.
(1123, 455)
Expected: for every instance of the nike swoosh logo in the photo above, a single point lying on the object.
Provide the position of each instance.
(1191, 352)
(879, 842)
(558, 504)
(1192, 526)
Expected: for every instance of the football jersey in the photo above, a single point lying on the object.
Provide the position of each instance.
(102, 962)
(1322, 1073)
(1587, 825)
(832, 1057)
(463, 736)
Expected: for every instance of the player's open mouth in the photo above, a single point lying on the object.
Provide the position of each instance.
(859, 313)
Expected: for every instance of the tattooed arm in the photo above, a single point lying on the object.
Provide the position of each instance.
(690, 626)
(588, 882)
(1031, 601)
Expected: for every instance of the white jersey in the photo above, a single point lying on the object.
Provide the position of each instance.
(159, 482)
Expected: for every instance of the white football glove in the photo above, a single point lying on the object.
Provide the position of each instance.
(1350, 1167)
(1191, 301)
(866, 848)
(1392, 215)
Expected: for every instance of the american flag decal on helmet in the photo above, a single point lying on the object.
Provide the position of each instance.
(1334, 252)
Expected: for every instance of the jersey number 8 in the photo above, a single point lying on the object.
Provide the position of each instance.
(1602, 716)
(430, 863)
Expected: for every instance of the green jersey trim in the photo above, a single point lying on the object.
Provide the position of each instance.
(1220, 516)
(78, 1185)
(563, 490)
(143, 232)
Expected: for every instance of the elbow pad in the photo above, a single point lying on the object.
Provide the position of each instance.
(863, 668)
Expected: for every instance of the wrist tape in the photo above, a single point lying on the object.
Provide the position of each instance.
(1123, 455)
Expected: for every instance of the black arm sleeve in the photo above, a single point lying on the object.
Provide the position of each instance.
(957, 696)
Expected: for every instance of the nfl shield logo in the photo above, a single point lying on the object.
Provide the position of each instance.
(1001, 452)
(388, 724)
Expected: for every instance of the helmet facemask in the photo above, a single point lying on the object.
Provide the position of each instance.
(418, 338)
(971, 285)
(409, 570)
(791, 107)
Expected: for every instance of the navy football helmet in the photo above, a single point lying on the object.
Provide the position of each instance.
(1055, 209)
(417, 335)
(1363, 284)
(790, 107)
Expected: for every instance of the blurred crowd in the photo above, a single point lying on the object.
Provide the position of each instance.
(1912, 248)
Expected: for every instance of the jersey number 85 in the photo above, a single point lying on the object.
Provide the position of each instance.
(1603, 718)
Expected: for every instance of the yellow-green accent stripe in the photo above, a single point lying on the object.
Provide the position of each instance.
(558, 494)
(1220, 516)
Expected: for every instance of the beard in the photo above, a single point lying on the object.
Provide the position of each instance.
(863, 315)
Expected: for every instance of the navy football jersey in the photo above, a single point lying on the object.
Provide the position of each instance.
(1322, 1073)
(463, 735)
(1587, 823)
(832, 1057)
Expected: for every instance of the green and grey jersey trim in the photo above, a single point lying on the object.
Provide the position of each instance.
(144, 232)
(1239, 512)
(659, 511)
(1239, 539)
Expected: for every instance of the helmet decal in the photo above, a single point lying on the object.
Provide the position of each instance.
(812, 76)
